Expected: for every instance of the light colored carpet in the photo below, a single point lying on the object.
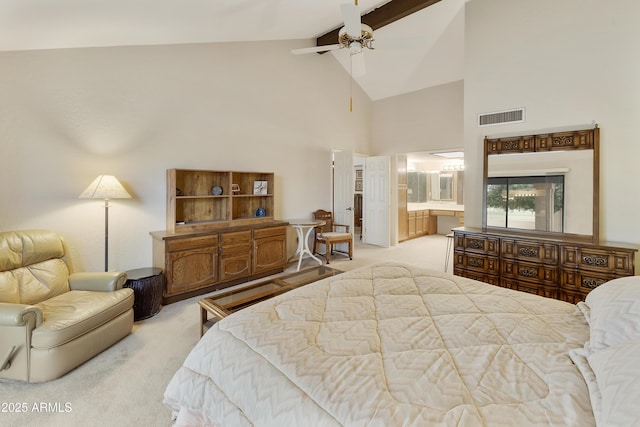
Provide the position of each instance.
(124, 385)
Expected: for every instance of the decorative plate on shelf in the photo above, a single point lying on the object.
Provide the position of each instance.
(261, 212)
(216, 191)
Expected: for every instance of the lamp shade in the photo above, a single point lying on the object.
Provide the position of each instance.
(105, 187)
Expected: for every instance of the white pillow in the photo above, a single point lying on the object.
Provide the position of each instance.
(617, 373)
(614, 313)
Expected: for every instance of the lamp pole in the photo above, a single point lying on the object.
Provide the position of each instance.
(106, 234)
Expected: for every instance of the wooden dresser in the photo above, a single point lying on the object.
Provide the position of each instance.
(564, 269)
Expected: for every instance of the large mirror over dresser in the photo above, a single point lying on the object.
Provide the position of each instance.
(540, 230)
(545, 183)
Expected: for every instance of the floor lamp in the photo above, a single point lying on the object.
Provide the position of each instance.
(105, 187)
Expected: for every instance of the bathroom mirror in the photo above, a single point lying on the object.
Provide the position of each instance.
(426, 187)
(441, 186)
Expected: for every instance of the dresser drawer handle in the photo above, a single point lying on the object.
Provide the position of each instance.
(476, 262)
(595, 260)
(592, 283)
(529, 252)
(528, 272)
(476, 244)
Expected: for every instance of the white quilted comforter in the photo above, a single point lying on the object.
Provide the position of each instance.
(389, 345)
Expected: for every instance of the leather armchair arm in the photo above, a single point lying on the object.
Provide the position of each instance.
(99, 281)
(19, 315)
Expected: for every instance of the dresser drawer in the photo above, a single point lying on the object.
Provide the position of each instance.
(538, 273)
(482, 277)
(582, 281)
(235, 238)
(532, 288)
(186, 243)
(261, 233)
(479, 263)
(480, 244)
(530, 251)
(599, 260)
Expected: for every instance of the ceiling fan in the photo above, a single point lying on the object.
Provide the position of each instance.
(354, 36)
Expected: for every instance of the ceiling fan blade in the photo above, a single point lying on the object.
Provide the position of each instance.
(357, 64)
(351, 16)
(316, 49)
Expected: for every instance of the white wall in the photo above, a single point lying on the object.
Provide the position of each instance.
(568, 63)
(69, 115)
(428, 119)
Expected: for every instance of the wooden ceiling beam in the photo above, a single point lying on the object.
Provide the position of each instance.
(378, 18)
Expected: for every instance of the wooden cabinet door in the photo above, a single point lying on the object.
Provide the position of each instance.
(412, 224)
(419, 222)
(403, 214)
(191, 269)
(235, 255)
(270, 249)
(234, 266)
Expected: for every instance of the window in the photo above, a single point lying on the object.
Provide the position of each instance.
(528, 203)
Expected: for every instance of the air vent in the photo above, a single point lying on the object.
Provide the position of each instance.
(501, 117)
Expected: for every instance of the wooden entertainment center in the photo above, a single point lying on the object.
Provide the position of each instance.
(220, 231)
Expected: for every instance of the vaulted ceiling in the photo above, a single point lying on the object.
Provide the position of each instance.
(419, 50)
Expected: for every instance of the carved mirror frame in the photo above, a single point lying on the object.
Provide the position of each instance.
(586, 139)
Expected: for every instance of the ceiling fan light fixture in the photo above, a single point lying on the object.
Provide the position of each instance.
(366, 32)
(364, 39)
(355, 47)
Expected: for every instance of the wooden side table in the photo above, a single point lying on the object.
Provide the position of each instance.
(147, 285)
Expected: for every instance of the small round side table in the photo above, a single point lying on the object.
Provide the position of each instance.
(147, 285)
(303, 227)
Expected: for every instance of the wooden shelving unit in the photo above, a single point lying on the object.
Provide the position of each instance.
(220, 232)
(192, 203)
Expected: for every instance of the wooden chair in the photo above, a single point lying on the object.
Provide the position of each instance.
(331, 234)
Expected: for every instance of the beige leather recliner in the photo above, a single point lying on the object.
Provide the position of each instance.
(52, 320)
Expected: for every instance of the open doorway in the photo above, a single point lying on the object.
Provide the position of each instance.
(431, 199)
(358, 208)
(372, 190)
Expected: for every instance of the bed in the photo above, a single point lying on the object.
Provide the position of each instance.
(398, 345)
